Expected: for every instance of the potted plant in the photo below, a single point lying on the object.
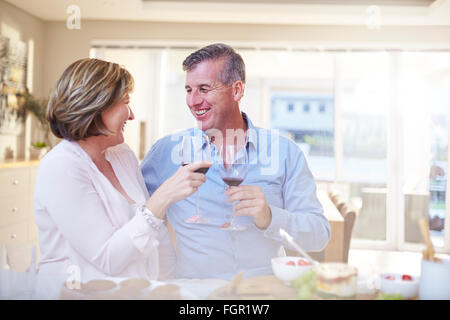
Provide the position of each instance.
(37, 150)
(38, 108)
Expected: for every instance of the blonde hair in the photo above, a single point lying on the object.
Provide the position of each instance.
(85, 89)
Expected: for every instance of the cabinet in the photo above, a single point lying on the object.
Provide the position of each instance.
(16, 202)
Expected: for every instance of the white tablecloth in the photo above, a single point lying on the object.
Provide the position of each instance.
(31, 285)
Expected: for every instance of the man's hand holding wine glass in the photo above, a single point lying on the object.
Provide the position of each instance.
(252, 202)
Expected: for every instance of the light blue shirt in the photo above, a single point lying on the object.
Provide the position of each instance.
(278, 166)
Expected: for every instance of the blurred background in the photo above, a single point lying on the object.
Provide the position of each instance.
(363, 87)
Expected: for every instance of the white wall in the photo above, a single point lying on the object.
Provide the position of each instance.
(18, 25)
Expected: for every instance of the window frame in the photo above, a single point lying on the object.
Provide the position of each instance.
(395, 223)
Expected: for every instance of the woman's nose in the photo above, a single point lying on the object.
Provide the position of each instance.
(130, 114)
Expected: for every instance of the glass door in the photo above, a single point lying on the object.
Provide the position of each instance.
(362, 112)
(425, 106)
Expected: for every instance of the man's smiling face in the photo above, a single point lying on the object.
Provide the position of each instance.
(210, 101)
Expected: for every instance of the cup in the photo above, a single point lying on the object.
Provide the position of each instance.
(435, 280)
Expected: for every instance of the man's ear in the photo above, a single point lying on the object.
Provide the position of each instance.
(238, 90)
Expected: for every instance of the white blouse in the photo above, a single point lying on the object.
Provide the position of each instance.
(85, 222)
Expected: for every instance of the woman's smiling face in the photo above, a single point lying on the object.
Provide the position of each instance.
(115, 118)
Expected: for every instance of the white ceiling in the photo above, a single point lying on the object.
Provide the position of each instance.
(297, 12)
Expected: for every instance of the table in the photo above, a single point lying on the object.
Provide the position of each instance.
(30, 286)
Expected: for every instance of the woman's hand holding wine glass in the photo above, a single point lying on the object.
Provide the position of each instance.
(185, 182)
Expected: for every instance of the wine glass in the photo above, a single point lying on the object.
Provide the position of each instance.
(196, 148)
(233, 170)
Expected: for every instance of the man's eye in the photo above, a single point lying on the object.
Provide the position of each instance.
(204, 90)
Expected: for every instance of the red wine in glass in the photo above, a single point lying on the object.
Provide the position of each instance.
(200, 170)
(232, 182)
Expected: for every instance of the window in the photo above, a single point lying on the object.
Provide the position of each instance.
(363, 104)
(306, 108)
(382, 140)
(425, 82)
(290, 107)
(313, 132)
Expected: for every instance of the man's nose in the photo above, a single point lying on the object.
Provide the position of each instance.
(194, 98)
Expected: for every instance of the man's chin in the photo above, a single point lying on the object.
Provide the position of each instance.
(203, 125)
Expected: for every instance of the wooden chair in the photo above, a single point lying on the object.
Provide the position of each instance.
(331, 194)
(334, 251)
(349, 216)
(334, 196)
(341, 205)
(343, 208)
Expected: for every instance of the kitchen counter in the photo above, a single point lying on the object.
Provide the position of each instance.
(18, 163)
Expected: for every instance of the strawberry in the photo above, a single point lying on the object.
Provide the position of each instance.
(389, 277)
(407, 277)
(290, 263)
(301, 262)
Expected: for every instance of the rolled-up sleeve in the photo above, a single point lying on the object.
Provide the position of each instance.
(302, 216)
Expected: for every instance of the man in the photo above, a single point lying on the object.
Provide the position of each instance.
(278, 192)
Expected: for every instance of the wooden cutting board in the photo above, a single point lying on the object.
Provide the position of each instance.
(256, 288)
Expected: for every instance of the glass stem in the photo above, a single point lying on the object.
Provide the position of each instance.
(197, 204)
(234, 213)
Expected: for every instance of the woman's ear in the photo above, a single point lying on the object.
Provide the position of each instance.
(238, 90)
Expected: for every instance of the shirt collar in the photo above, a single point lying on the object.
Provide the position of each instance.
(202, 134)
(252, 139)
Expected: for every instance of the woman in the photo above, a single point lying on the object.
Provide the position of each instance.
(91, 205)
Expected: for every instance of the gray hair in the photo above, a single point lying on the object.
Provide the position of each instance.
(234, 67)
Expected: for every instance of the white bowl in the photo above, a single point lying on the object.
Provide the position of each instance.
(407, 288)
(288, 273)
